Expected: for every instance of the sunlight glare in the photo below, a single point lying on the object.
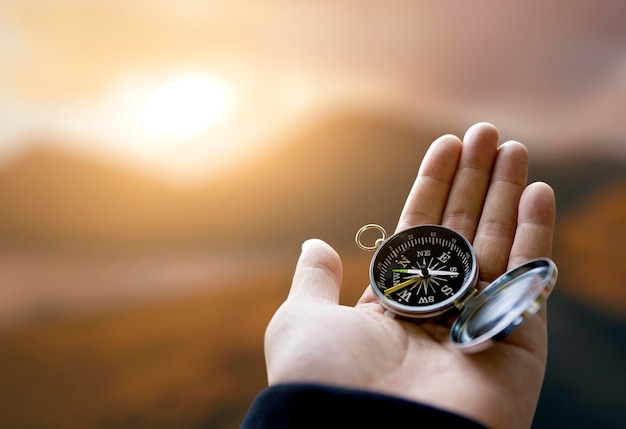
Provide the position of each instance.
(185, 107)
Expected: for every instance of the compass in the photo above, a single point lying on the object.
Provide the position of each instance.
(428, 270)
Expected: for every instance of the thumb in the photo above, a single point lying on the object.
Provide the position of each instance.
(318, 273)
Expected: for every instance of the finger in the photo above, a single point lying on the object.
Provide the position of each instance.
(535, 232)
(498, 222)
(470, 184)
(429, 193)
(318, 273)
(535, 225)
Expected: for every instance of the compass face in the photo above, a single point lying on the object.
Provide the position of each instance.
(423, 271)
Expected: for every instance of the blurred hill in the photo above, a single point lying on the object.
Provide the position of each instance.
(588, 245)
(577, 177)
(326, 179)
(329, 179)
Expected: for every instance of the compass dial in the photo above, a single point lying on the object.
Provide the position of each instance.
(424, 271)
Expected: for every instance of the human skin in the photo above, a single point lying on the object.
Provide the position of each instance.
(478, 188)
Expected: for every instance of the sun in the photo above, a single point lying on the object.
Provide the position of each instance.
(185, 107)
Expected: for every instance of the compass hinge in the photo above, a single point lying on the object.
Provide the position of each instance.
(460, 304)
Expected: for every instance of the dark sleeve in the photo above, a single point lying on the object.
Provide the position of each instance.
(318, 406)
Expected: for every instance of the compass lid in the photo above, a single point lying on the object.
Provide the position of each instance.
(504, 305)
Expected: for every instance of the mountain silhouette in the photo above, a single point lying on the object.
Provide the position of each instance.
(326, 179)
(588, 241)
(575, 178)
(330, 178)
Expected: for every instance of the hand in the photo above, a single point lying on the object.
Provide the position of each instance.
(478, 189)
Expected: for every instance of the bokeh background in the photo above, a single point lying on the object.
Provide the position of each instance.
(161, 162)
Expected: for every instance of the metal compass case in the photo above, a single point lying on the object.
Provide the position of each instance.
(428, 270)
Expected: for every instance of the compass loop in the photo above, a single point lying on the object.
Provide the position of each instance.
(368, 227)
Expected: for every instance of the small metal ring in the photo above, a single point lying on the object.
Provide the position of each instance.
(367, 227)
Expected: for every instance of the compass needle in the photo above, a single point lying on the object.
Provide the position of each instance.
(402, 285)
(430, 272)
(443, 273)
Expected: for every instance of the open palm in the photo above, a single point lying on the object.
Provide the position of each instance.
(478, 189)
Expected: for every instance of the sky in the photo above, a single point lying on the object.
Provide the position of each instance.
(189, 88)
